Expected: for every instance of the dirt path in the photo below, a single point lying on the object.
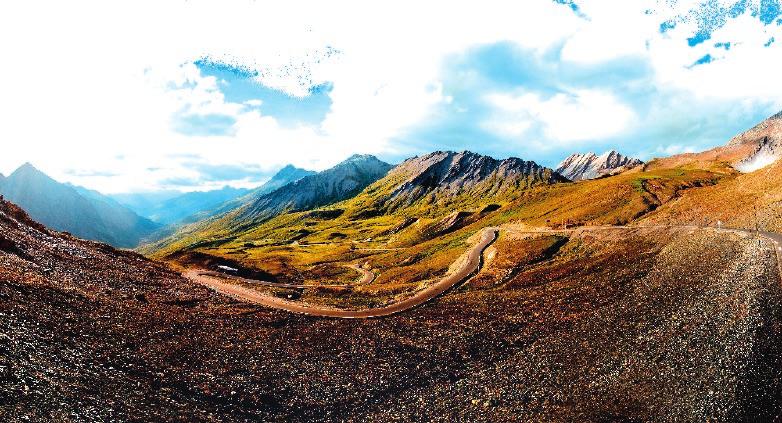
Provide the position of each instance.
(469, 267)
(366, 276)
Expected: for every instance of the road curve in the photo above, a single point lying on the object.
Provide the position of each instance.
(366, 276)
(220, 275)
(470, 266)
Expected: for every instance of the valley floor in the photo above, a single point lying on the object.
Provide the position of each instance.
(635, 324)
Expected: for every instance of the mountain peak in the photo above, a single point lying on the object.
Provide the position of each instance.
(27, 167)
(317, 189)
(361, 158)
(27, 170)
(445, 174)
(590, 166)
(364, 163)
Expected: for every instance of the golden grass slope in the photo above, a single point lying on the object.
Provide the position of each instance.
(743, 201)
(413, 245)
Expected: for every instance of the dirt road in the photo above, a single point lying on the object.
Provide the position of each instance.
(470, 266)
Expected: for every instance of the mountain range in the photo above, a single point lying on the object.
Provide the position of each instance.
(363, 188)
(443, 175)
(578, 167)
(85, 214)
(614, 278)
(284, 176)
(431, 185)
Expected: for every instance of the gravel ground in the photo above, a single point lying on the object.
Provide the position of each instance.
(643, 325)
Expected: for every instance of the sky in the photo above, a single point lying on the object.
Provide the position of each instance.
(193, 95)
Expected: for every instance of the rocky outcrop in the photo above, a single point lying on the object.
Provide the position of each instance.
(590, 166)
(765, 141)
(446, 174)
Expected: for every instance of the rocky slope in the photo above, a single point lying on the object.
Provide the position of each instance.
(592, 326)
(342, 181)
(765, 139)
(85, 214)
(578, 167)
(444, 175)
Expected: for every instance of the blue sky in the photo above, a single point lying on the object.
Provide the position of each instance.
(213, 94)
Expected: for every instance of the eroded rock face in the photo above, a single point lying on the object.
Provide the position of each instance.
(446, 173)
(766, 137)
(590, 166)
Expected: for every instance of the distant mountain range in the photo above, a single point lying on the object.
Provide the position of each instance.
(183, 207)
(283, 177)
(85, 214)
(578, 167)
(174, 207)
(342, 181)
(338, 183)
(443, 185)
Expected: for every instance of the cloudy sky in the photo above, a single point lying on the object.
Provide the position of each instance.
(150, 95)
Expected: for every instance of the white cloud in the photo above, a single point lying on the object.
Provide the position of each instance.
(93, 85)
(566, 117)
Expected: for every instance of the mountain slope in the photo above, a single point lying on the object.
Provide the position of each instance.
(283, 177)
(63, 208)
(183, 207)
(765, 139)
(441, 177)
(338, 183)
(578, 167)
(752, 199)
(746, 152)
(329, 186)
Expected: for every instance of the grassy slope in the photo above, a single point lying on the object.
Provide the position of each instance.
(308, 248)
(740, 201)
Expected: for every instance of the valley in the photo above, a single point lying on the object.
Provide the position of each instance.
(609, 323)
(452, 287)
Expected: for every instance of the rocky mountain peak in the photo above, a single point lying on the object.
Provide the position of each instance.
(577, 167)
(448, 173)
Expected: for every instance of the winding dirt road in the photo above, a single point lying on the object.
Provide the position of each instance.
(366, 278)
(469, 267)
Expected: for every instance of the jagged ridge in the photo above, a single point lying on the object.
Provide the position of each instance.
(447, 174)
(590, 166)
